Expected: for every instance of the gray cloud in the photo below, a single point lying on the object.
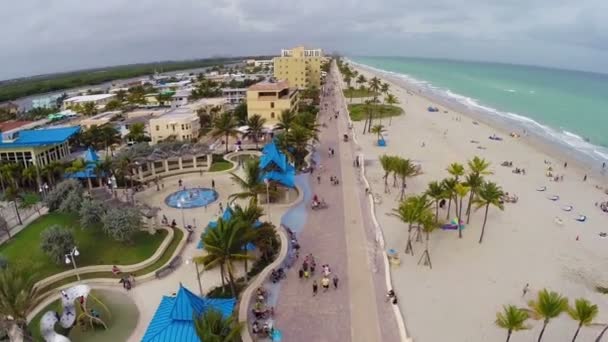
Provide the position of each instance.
(41, 36)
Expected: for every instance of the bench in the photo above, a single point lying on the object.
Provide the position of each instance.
(175, 262)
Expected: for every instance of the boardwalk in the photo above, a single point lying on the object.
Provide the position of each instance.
(335, 236)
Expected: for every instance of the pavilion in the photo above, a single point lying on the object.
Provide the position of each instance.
(91, 159)
(276, 167)
(174, 317)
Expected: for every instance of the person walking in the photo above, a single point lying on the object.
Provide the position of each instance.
(213, 184)
(315, 288)
(335, 282)
(525, 290)
(318, 179)
(325, 284)
(301, 273)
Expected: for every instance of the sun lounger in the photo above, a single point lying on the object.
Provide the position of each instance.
(581, 218)
(542, 188)
(449, 227)
(568, 208)
(553, 198)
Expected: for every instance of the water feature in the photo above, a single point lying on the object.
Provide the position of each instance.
(191, 198)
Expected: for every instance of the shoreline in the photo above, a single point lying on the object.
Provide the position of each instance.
(539, 142)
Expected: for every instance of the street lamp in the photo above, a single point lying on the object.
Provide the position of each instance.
(69, 258)
(180, 204)
(267, 181)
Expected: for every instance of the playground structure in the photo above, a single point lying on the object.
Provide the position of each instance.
(74, 303)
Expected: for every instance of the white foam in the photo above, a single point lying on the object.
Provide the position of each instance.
(510, 90)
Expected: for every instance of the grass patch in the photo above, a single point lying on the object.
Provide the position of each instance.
(355, 92)
(95, 247)
(360, 111)
(220, 166)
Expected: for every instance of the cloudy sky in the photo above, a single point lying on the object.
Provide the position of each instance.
(41, 36)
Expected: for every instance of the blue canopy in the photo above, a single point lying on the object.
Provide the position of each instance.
(174, 317)
(42, 137)
(91, 159)
(276, 167)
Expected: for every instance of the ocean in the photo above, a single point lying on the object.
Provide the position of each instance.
(567, 109)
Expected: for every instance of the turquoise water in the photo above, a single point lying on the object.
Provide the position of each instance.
(566, 107)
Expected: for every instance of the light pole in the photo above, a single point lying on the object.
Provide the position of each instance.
(180, 204)
(267, 198)
(69, 258)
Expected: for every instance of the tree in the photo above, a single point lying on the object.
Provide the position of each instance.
(489, 194)
(224, 245)
(57, 241)
(72, 202)
(121, 224)
(30, 200)
(409, 211)
(547, 306)
(456, 170)
(428, 226)
(449, 189)
(285, 120)
(137, 133)
(256, 127)
(5, 227)
(52, 170)
(12, 195)
(77, 166)
(113, 105)
(378, 130)
(110, 136)
(88, 109)
(404, 168)
(391, 100)
(56, 196)
(91, 213)
(583, 312)
(478, 167)
(436, 192)
(212, 327)
(298, 138)
(18, 295)
(240, 113)
(474, 182)
(251, 184)
(224, 126)
(388, 165)
(361, 80)
(512, 319)
(460, 190)
(30, 175)
(204, 118)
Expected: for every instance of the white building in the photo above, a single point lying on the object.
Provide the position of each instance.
(234, 95)
(100, 100)
(181, 123)
(180, 98)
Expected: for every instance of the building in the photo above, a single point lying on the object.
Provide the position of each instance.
(269, 99)
(99, 100)
(9, 107)
(38, 147)
(263, 63)
(300, 67)
(180, 123)
(99, 119)
(180, 98)
(47, 102)
(124, 126)
(234, 95)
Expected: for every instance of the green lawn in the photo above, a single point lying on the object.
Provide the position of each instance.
(359, 112)
(220, 166)
(95, 247)
(348, 93)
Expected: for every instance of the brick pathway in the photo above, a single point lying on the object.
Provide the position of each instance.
(335, 236)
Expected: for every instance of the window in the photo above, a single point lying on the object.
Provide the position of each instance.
(272, 115)
(157, 128)
(271, 104)
(182, 127)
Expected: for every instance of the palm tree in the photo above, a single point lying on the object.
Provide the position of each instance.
(77, 166)
(583, 312)
(512, 318)
(211, 326)
(388, 165)
(384, 88)
(449, 189)
(251, 184)
(391, 100)
(436, 192)
(256, 126)
(406, 212)
(404, 168)
(52, 169)
(378, 130)
(298, 138)
(103, 169)
(474, 182)
(489, 194)
(11, 194)
(361, 80)
(224, 245)
(88, 109)
(285, 120)
(547, 306)
(137, 132)
(428, 226)
(30, 175)
(461, 190)
(456, 170)
(479, 168)
(375, 85)
(224, 126)
(110, 136)
(18, 294)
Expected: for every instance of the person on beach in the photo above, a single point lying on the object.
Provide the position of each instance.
(325, 284)
(315, 288)
(318, 179)
(301, 273)
(565, 165)
(585, 178)
(335, 279)
(213, 184)
(525, 290)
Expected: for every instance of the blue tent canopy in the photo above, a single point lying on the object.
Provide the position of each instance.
(174, 317)
(276, 167)
(91, 160)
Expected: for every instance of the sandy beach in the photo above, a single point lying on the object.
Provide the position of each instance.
(458, 299)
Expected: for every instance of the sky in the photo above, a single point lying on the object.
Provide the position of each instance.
(45, 36)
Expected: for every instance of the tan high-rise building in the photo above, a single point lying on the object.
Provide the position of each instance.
(269, 99)
(301, 67)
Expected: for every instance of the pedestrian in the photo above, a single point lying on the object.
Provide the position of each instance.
(329, 152)
(603, 165)
(221, 208)
(585, 178)
(525, 290)
(565, 165)
(312, 268)
(213, 184)
(318, 179)
(335, 282)
(301, 273)
(315, 288)
(305, 264)
(325, 284)
(179, 183)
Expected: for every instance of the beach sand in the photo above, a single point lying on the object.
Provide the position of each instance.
(458, 299)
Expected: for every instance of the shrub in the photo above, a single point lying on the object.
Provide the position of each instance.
(4, 227)
(3, 264)
(72, 202)
(122, 223)
(56, 242)
(56, 196)
(91, 212)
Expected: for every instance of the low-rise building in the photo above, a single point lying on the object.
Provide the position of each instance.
(99, 119)
(268, 99)
(36, 147)
(99, 100)
(47, 102)
(234, 95)
(180, 98)
(9, 107)
(180, 123)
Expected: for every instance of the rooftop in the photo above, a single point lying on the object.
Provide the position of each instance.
(269, 86)
(178, 113)
(89, 98)
(41, 137)
(12, 124)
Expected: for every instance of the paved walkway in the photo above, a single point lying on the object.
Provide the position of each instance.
(335, 236)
